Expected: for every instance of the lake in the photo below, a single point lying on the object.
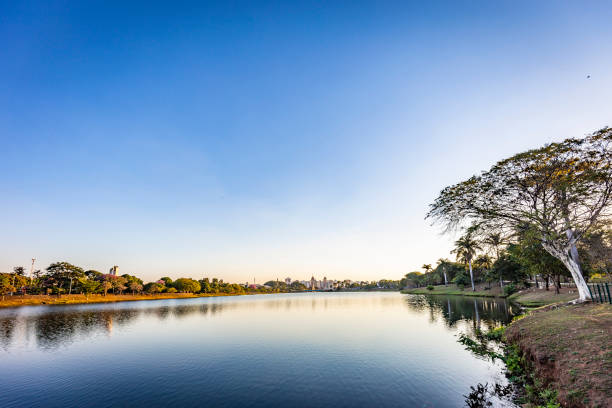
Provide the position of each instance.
(382, 349)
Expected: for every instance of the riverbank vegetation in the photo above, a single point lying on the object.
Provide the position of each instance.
(538, 220)
(33, 300)
(452, 289)
(65, 283)
(542, 218)
(568, 350)
(549, 364)
(547, 203)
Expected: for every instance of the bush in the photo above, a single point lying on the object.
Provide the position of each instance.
(461, 286)
(461, 279)
(187, 285)
(170, 290)
(509, 289)
(430, 287)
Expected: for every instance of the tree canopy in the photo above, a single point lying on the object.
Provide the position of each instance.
(562, 190)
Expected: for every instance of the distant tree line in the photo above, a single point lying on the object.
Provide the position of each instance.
(61, 278)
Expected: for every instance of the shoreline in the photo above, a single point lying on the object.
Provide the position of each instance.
(564, 353)
(526, 298)
(79, 299)
(52, 300)
(452, 290)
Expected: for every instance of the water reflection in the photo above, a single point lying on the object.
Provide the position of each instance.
(60, 325)
(483, 313)
(263, 350)
(51, 327)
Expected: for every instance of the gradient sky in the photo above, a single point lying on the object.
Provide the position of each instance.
(274, 139)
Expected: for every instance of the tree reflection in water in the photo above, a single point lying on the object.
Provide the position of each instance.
(483, 313)
(61, 325)
(57, 326)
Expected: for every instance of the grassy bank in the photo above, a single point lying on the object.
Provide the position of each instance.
(541, 297)
(568, 350)
(33, 300)
(455, 290)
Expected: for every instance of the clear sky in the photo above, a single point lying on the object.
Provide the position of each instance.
(274, 139)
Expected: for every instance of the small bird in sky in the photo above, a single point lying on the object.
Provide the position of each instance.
(588, 77)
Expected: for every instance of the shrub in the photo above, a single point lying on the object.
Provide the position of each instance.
(187, 285)
(461, 286)
(430, 287)
(461, 279)
(496, 334)
(170, 290)
(509, 289)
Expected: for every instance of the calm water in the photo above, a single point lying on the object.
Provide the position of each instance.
(301, 350)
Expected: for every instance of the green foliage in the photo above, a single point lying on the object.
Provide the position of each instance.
(170, 290)
(562, 191)
(430, 287)
(6, 285)
(515, 363)
(510, 289)
(461, 279)
(496, 334)
(187, 285)
(89, 286)
(153, 287)
(297, 286)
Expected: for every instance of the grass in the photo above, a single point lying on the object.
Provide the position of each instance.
(570, 351)
(33, 300)
(533, 297)
(455, 290)
(529, 298)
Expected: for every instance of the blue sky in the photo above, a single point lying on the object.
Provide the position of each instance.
(269, 139)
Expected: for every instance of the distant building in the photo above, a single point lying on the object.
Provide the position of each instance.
(313, 283)
(288, 281)
(114, 270)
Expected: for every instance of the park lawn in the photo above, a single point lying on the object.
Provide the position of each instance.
(455, 290)
(533, 297)
(569, 349)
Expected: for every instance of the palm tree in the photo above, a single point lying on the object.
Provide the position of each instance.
(465, 248)
(495, 241)
(428, 277)
(443, 263)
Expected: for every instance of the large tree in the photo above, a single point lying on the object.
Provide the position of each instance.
(64, 272)
(562, 190)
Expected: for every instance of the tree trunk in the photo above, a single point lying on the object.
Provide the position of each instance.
(572, 266)
(445, 280)
(472, 276)
(536, 281)
(547, 282)
(501, 281)
(70, 290)
(557, 285)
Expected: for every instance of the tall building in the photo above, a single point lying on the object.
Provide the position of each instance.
(113, 271)
(313, 283)
(288, 281)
